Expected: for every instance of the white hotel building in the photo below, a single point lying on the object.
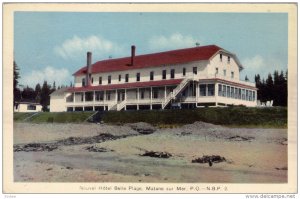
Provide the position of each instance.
(184, 78)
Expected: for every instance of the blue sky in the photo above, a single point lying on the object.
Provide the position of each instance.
(52, 45)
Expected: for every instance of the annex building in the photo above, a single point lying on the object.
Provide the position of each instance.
(185, 78)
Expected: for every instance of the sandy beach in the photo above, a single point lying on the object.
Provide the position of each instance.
(115, 153)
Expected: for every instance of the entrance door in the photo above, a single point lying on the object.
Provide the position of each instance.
(121, 95)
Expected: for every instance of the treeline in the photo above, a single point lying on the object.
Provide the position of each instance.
(39, 94)
(273, 88)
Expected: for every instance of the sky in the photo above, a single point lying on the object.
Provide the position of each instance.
(51, 46)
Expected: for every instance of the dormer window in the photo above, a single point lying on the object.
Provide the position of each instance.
(228, 59)
(109, 79)
(138, 75)
(120, 78)
(100, 80)
(220, 57)
(83, 82)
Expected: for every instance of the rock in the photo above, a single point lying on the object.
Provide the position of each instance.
(156, 154)
(142, 128)
(97, 149)
(209, 159)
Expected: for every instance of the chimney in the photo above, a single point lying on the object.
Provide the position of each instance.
(132, 54)
(89, 68)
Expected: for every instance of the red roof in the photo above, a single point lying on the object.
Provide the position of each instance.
(153, 60)
(127, 85)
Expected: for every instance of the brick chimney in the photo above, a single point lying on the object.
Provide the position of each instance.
(89, 68)
(132, 55)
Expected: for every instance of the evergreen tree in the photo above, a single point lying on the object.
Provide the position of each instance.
(17, 92)
(45, 96)
(28, 94)
(246, 78)
(38, 91)
(269, 88)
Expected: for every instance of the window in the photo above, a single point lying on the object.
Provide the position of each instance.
(92, 80)
(253, 99)
(120, 78)
(247, 95)
(240, 94)
(183, 71)
(224, 72)
(126, 77)
(232, 74)
(228, 59)
(224, 90)
(83, 82)
(250, 95)
(142, 93)
(100, 80)
(81, 94)
(172, 73)
(231, 92)
(138, 75)
(155, 93)
(31, 107)
(220, 90)
(89, 96)
(217, 71)
(220, 57)
(164, 74)
(99, 96)
(210, 90)
(108, 95)
(202, 89)
(195, 70)
(151, 75)
(109, 79)
(243, 94)
(228, 91)
(236, 93)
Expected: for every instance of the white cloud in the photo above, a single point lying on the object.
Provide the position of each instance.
(50, 74)
(173, 41)
(254, 63)
(76, 47)
(262, 66)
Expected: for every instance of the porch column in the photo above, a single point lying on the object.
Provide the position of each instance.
(197, 91)
(104, 99)
(125, 98)
(165, 93)
(150, 98)
(138, 99)
(94, 100)
(83, 101)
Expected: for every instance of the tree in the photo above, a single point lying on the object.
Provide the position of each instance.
(246, 78)
(38, 91)
(269, 88)
(45, 96)
(28, 94)
(53, 87)
(17, 92)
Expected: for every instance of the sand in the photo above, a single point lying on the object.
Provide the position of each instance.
(252, 155)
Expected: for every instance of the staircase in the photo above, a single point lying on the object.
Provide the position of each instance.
(113, 107)
(176, 91)
(121, 105)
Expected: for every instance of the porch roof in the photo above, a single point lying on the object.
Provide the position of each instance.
(126, 86)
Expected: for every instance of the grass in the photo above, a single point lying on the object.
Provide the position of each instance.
(63, 117)
(21, 116)
(275, 117)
